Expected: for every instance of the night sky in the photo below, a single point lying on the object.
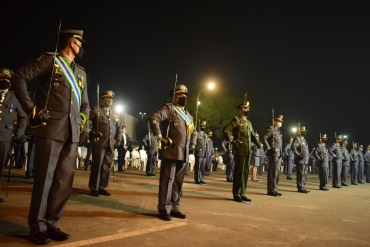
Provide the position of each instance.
(309, 61)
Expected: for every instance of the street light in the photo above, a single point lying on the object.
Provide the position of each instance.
(294, 130)
(210, 86)
(142, 115)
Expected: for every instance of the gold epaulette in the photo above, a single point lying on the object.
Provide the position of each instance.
(52, 53)
(80, 66)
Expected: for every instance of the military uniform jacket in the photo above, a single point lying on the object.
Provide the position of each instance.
(109, 127)
(8, 107)
(179, 132)
(152, 147)
(226, 145)
(62, 104)
(210, 150)
(247, 135)
(353, 157)
(367, 158)
(200, 140)
(300, 150)
(360, 156)
(322, 155)
(336, 153)
(273, 139)
(288, 152)
(256, 151)
(345, 155)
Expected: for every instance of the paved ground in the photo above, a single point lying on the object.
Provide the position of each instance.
(339, 217)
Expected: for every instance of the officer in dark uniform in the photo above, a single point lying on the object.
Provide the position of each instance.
(210, 154)
(229, 160)
(199, 145)
(173, 126)
(367, 164)
(354, 164)
(360, 174)
(107, 136)
(345, 164)
(8, 106)
(301, 153)
(289, 159)
(336, 152)
(272, 140)
(240, 133)
(151, 147)
(322, 155)
(57, 117)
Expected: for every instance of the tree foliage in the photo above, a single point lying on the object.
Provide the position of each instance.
(218, 107)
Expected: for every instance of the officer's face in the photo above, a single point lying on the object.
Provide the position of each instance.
(107, 102)
(180, 99)
(278, 124)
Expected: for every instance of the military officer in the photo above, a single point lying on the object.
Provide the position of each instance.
(57, 119)
(360, 174)
(9, 105)
(240, 133)
(367, 164)
(173, 126)
(257, 155)
(272, 139)
(199, 145)
(289, 159)
(322, 156)
(345, 164)
(107, 134)
(229, 161)
(151, 147)
(301, 153)
(336, 152)
(210, 155)
(354, 164)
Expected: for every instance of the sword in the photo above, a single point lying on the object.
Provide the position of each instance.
(97, 134)
(150, 142)
(8, 159)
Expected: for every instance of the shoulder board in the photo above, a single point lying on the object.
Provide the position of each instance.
(80, 66)
(52, 53)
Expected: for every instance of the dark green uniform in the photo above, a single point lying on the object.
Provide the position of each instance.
(240, 130)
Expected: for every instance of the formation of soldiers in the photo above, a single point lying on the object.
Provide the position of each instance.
(58, 120)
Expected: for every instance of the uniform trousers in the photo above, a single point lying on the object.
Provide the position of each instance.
(4, 149)
(360, 174)
(199, 168)
(354, 171)
(171, 179)
(285, 165)
(55, 162)
(240, 176)
(102, 158)
(344, 175)
(301, 175)
(289, 167)
(337, 169)
(273, 174)
(151, 163)
(367, 172)
(208, 164)
(230, 166)
(323, 175)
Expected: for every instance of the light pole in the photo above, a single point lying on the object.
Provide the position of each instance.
(142, 115)
(211, 86)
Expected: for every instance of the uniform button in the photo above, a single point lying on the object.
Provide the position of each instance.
(71, 102)
(109, 136)
(70, 114)
(1, 112)
(0, 118)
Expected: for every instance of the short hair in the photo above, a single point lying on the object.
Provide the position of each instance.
(123, 126)
(63, 43)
